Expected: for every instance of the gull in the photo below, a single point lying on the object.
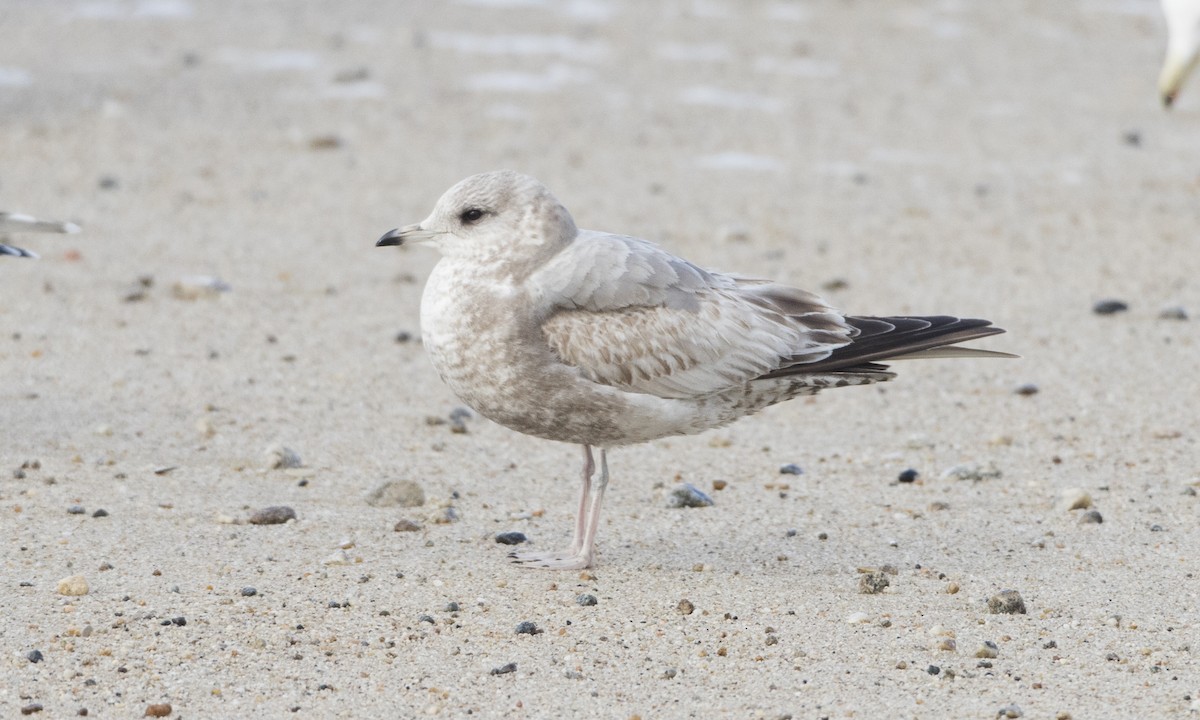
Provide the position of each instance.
(1183, 46)
(17, 222)
(606, 340)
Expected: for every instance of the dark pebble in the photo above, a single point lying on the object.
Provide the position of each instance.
(1109, 307)
(1132, 138)
(1027, 389)
(1156, 528)
(822, 536)
(180, 621)
(685, 607)
(406, 525)
(908, 476)
(274, 515)
(505, 669)
(452, 607)
(791, 532)
(1050, 645)
(427, 619)
(1091, 516)
(873, 583)
(586, 600)
(686, 495)
(933, 669)
(31, 708)
(34, 656)
(511, 538)
(76, 510)
(791, 469)
(527, 628)
(403, 336)
(249, 591)
(100, 513)
(1006, 602)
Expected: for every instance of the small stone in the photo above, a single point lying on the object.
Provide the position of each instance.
(73, 586)
(505, 669)
(586, 600)
(873, 583)
(685, 607)
(179, 621)
(972, 471)
(158, 710)
(76, 510)
(772, 640)
(933, 669)
(31, 708)
(686, 495)
(279, 457)
(719, 485)
(443, 515)
(406, 525)
(1091, 517)
(1075, 499)
(339, 557)
(452, 607)
(249, 591)
(1009, 711)
(458, 420)
(822, 536)
(987, 650)
(1173, 312)
(511, 538)
(1006, 602)
(858, 618)
(947, 645)
(427, 619)
(952, 588)
(403, 336)
(273, 515)
(907, 476)
(1027, 389)
(528, 628)
(791, 469)
(34, 656)
(397, 493)
(1109, 307)
(195, 287)
(100, 513)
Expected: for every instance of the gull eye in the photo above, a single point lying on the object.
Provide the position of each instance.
(470, 216)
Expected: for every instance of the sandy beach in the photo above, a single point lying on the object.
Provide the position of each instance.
(231, 166)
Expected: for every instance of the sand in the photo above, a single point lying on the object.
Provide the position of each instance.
(1006, 160)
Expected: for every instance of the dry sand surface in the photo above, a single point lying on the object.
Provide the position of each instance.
(1007, 160)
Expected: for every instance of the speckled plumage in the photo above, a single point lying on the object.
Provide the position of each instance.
(606, 340)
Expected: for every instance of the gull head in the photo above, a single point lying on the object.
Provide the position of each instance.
(490, 216)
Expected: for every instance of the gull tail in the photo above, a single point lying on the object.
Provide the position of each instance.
(900, 338)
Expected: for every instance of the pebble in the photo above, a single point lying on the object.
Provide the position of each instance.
(249, 591)
(947, 645)
(873, 583)
(273, 515)
(1091, 517)
(686, 495)
(987, 650)
(528, 628)
(76, 510)
(1007, 602)
(933, 669)
(403, 336)
(194, 287)
(1027, 389)
(34, 656)
(458, 420)
(907, 476)
(511, 538)
(406, 525)
(280, 457)
(1109, 307)
(397, 493)
(505, 669)
(31, 708)
(685, 607)
(443, 515)
(100, 513)
(158, 710)
(972, 471)
(1009, 711)
(858, 618)
(1173, 312)
(587, 600)
(1076, 499)
(791, 469)
(73, 586)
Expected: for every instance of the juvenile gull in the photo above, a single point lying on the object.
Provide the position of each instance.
(17, 222)
(607, 340)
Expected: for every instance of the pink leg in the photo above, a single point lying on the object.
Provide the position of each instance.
(582, 551)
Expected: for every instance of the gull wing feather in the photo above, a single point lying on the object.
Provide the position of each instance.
(628, 314)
